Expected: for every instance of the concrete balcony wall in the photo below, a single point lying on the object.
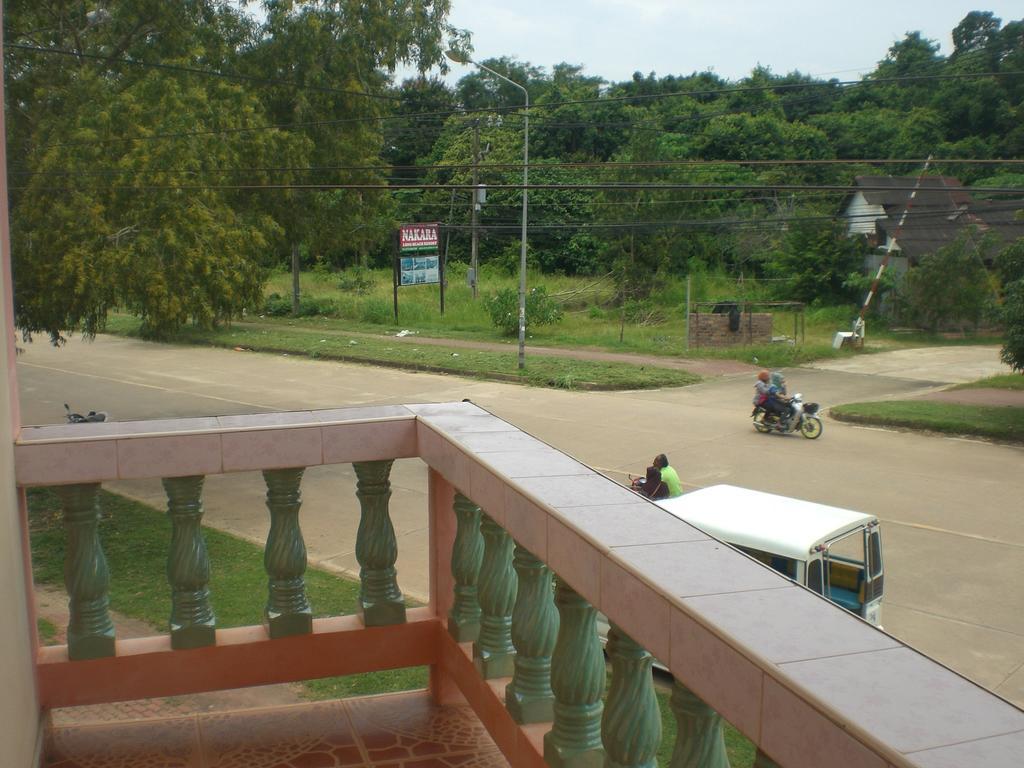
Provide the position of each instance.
(807, 682)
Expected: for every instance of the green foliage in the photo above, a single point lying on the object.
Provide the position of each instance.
(377, 311)
(1012, 316)
(642, 312)
(277, 305)
(125, 175)
(503, 307)
(814, 261)
(950, 288)
(326, 340)
(125, 201)
(47, 631)
(1010, 266)
(357, 280)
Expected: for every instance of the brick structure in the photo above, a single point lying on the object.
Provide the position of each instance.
(712, 330)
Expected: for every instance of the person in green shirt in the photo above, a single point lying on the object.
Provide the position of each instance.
(668, 476)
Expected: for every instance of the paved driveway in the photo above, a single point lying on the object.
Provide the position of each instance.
(954, 536)
(934, 365)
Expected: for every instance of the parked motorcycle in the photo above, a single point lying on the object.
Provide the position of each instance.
(78, 418)
(802, 417)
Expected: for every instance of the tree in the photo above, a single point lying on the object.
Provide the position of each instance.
(98, 220)
(132, 175)
(1010, 265)
(341, 52)
(950, 287)
(131, 236)
(814, 261)
(977, 33)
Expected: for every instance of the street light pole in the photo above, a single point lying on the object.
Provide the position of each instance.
(461, 59)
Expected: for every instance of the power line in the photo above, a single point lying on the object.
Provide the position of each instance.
(198, 71)
(742, 224)
(538, 166)
(608, 186)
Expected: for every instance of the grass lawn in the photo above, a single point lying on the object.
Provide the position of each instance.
(362, 300)
(47, 631)
(1004, 381)
(1000, 423)
(329, 344)
(337, 307)
(135, 539)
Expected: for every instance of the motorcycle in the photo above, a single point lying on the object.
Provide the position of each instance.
(89, 418)
(802, 417)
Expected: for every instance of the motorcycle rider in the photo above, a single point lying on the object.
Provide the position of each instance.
(651, 486)
(668, 475)
(770, 395)
(778, 398)
(761, 389)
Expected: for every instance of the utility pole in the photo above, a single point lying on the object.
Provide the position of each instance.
(295, 278)
(475, 242)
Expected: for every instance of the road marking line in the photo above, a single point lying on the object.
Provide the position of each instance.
(936, 529)
(141, 384)
(952, 619)
(871, 429)
(967, 440)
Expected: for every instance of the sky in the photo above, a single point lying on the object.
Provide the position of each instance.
(615, 38)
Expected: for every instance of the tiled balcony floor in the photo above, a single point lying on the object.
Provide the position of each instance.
(394, 731)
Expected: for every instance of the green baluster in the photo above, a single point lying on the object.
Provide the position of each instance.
(188, 565)
(761, 760)
(577, 679)
(380, 600)
(534, 630)
(631, 726)
(467, 552)
(493, 652)
(700, 741)
(287, 612)
(90, 630)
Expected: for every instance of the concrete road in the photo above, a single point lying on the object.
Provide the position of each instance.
(954, 540)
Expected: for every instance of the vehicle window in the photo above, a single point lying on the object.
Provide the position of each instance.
(849, 549)
(784, 565)
(875, 553)
(814, 576)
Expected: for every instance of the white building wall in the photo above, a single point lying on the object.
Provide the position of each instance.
(861, 215)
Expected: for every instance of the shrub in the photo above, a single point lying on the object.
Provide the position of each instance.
(277, 305)
(503, 307)
(358, 280)
(950, 287)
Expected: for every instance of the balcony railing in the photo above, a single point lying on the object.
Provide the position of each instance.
(526, 546)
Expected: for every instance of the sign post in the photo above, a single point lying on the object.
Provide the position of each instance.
(418, 260)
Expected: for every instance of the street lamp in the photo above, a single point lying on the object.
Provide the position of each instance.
(460, 58)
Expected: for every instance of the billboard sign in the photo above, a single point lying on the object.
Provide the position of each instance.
(419, 270)
(415, 238)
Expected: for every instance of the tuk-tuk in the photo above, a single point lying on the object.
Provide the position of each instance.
(832, 551)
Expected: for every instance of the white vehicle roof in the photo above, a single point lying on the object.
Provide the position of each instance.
(764, 521)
